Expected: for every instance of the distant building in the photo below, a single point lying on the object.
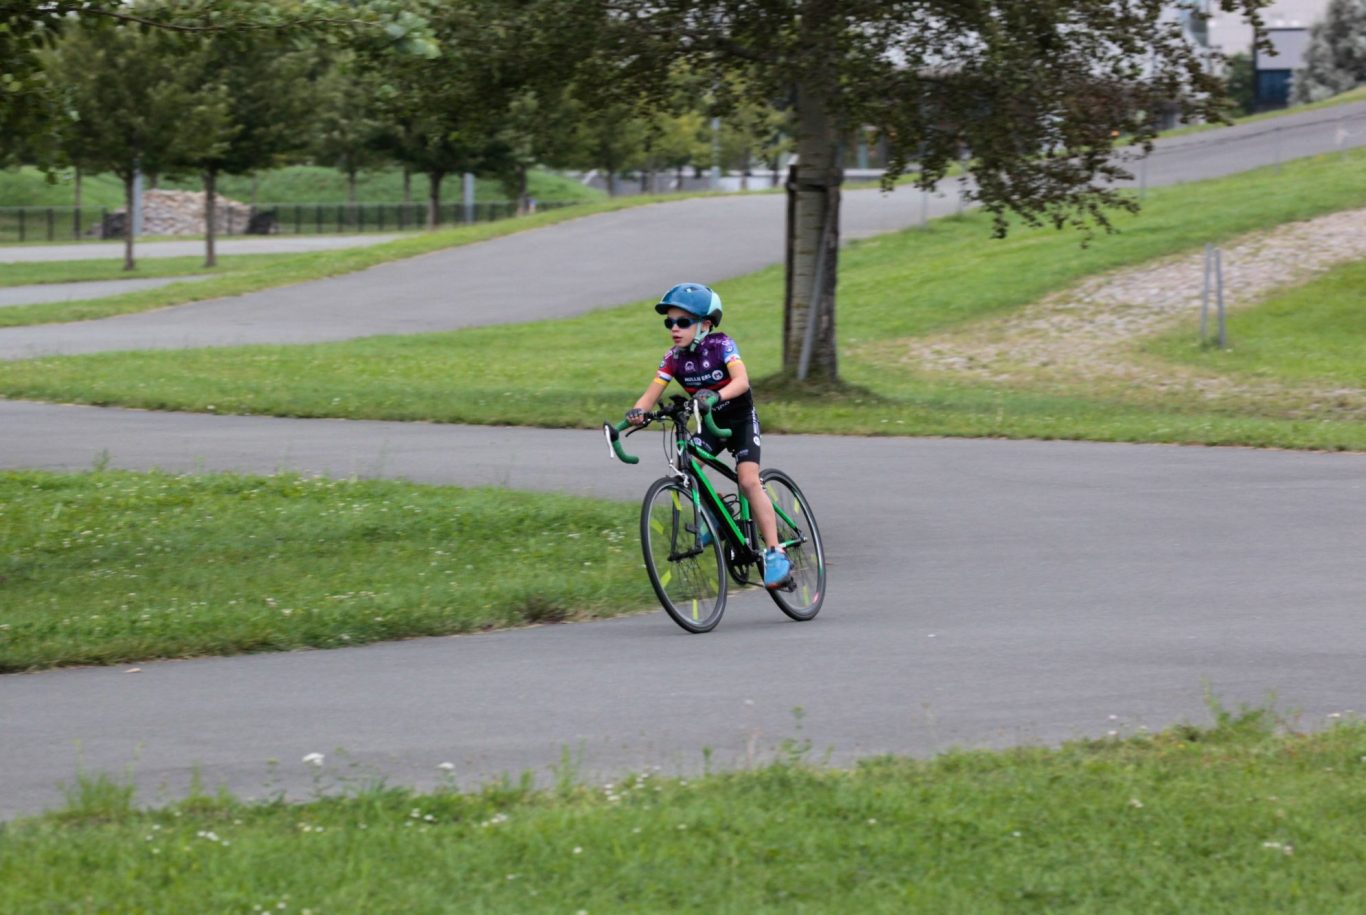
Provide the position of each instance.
(1272, 74)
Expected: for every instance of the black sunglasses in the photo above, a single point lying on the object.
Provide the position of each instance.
(680, 323)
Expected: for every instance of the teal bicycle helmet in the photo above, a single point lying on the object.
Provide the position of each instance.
(695, 299)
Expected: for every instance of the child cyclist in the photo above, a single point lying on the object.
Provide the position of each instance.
(707, 364)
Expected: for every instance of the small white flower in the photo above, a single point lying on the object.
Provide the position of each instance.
(578, 850)
(1135, 803)
(447, 766)
(872, 821)
(313, 759)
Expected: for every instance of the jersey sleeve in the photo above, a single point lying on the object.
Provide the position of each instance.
(731, 352)
(666, 369)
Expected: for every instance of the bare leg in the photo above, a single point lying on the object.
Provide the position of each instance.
(759, 505)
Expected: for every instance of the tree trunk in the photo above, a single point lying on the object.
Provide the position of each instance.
(813, 190)
(434, 180)
(210, 214)
(407, 185)
(351, 196)
(523, 198)
(128, 262)
(78, 187)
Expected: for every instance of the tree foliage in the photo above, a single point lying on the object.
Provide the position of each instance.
(28, 111)
(127, 105)
(1336, 58)
(1029, 96)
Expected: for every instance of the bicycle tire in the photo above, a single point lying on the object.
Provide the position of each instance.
(804, 548)
(688, 578)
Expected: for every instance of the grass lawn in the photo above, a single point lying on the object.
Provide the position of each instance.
(893, 286)
(103, 567)
(1235, 818)
(1314, 332)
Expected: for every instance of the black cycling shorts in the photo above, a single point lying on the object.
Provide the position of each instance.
(743, 443)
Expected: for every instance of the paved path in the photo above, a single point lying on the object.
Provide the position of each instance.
(40, 293)
(982, 593)
(265, 244)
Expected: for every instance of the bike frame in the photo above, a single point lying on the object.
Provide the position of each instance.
(688, 462)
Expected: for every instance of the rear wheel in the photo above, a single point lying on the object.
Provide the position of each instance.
(797, 531)
(688, 577)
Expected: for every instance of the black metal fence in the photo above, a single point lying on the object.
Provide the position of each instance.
(20, 224)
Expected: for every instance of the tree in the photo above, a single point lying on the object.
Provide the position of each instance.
(1336, 58)
(752, 133)
(1030, 96)
(128, 107)
(29, 115)
(432, 116)
(344, 130)
(1240, 83)
(611, 138)
(268, 89)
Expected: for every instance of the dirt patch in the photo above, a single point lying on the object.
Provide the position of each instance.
(1088, 336)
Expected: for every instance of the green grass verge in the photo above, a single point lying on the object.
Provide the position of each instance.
(104, 567)
(294, 184)
(1232, 819)
(285, 270)
(1314, 332)
(893, 286)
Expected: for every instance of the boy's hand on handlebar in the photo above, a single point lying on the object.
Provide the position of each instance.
(635, 416)
(705, 400)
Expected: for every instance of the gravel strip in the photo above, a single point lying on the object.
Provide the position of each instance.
(1087, 334)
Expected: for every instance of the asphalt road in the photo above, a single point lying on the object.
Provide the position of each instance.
(982, 592)
(263, 244)
(40, 293)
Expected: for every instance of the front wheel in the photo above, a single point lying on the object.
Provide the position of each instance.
(688, 576)
(798, 533)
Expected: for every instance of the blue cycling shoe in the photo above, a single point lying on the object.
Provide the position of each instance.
(777, 570)
(705, 538)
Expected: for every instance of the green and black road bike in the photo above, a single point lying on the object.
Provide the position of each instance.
(694, 538)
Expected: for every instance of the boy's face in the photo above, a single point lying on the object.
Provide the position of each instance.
(683, 336)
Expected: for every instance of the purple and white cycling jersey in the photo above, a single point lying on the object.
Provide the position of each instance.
(708, 367)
